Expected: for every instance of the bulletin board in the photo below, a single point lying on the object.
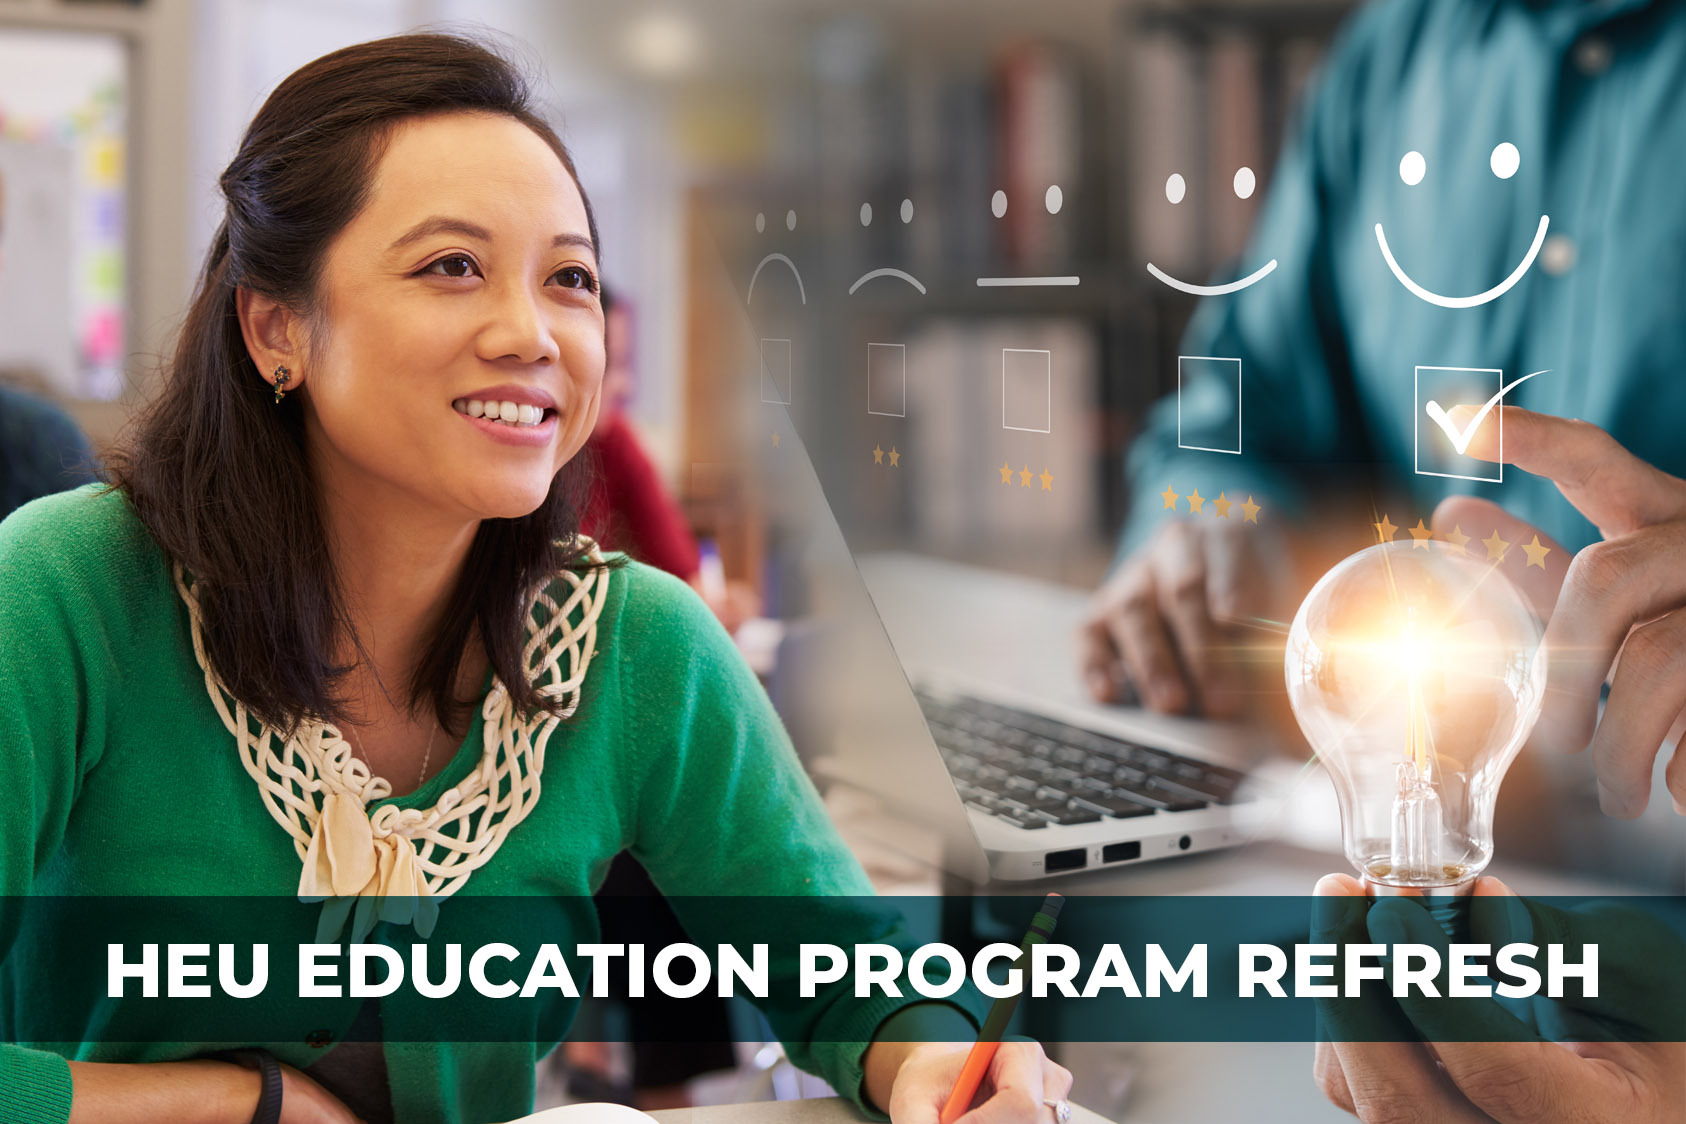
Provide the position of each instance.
(63, 121)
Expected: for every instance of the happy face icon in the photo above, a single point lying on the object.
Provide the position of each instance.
(1505, 160)
(1175, 190)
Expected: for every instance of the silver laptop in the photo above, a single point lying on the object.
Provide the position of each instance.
(909, 685)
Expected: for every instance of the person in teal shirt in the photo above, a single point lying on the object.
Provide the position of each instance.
(1421, 105)
(1521, 162)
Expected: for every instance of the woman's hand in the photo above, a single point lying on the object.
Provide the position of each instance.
(303, 1101)
(1017, 1083)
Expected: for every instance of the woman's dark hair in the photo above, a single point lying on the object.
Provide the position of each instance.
(217, 471)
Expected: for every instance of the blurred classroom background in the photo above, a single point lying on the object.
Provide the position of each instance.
(846, 135)
(687, 121)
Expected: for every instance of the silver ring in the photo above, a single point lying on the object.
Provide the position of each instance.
(1062, 1110)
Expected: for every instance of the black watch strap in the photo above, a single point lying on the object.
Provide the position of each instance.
(269, 1075)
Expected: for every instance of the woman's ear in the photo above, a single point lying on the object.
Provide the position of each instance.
(274, 336)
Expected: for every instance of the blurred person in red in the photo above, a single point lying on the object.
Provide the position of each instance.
(630, 508)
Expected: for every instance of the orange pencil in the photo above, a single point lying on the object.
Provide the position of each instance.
(995, 1025)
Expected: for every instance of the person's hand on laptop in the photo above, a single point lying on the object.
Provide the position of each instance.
(1164, 628)
(1617, 609)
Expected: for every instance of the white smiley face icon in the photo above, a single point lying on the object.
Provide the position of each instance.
(1175, 190)
(1505, 160)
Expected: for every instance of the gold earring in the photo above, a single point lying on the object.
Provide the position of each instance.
(282, 375)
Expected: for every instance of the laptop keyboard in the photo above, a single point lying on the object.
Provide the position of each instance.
(1031, 770)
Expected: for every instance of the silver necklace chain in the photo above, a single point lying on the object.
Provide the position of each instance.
(426, 756)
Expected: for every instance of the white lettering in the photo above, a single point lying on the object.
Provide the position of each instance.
(181, 971)
(1111, 970)
(663, 970)
(1269, 977)
(477, 970)
(1305, 971)
(1159, 968)
(310, 972)
(811, 975)
(980, 970)
(1586, 971)
(362, 958)
(1043, 974)
(949, 955)
(117, 970)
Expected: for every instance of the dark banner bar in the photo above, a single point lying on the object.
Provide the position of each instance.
(1232, 969)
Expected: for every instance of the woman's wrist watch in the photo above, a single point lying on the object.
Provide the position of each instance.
(269, 1075)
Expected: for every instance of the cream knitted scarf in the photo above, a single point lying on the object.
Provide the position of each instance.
(395, 864)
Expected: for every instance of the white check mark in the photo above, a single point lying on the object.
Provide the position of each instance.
(1460, 441)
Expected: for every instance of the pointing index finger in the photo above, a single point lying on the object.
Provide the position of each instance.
(1609, 485)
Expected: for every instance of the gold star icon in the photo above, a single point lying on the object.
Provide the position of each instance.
(1047, 479)
(1496, 546)
(1024, 477)
(1006, 473)
(775, 441)
(1170, 497)
(1195, 500)
(1536, 553)
(877, 455)
(1220, 506)
(1458, 539)
(895, 457)
(1420, 535)
(1249, 511)
(1385, 529)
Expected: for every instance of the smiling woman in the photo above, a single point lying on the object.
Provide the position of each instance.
(343, 536)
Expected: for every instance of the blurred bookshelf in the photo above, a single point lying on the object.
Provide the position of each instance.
(1103, 111)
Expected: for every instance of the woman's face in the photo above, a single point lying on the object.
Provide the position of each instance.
(466, 289)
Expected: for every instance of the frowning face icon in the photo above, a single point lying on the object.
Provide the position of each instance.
(761, 228)
(906, 214)
(1504, 161)
(1175, 191)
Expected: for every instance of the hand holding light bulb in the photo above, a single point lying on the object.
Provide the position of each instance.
(1625, 596)
(1547, 1060)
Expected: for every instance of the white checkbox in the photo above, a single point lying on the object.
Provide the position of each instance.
(1209, 383)
(1027, 389)
(1434, 454)
(886, 379)
(777, 378)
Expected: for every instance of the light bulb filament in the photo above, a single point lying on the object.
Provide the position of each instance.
(1418, 826)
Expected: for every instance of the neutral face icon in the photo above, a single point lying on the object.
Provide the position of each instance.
(1504, 161)
(1052, 199)
(1176, 189)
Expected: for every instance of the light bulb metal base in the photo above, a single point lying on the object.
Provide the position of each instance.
(1448, 904)
(1376, 888)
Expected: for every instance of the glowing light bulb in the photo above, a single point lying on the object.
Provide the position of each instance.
(1416, 675)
